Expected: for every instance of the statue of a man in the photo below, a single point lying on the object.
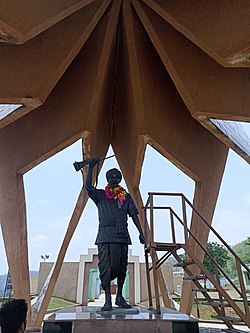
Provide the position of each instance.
(114, 206)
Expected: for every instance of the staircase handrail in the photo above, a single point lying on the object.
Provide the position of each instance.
(185, 245)
(204, 220)
(217, 234)
(209, 255)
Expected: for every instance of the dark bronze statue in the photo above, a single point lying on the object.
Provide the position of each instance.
(114, 206)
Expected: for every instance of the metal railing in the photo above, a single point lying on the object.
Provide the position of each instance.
(188, 234)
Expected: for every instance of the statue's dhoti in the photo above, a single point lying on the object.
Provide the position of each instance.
(113, 262)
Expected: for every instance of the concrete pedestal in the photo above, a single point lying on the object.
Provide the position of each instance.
(90, 319)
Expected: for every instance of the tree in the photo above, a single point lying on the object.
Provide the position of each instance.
(247, 241)
(242, 250)
(219, 254)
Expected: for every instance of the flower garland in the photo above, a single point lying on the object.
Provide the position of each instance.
(116, 193)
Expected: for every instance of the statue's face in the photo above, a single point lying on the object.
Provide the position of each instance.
(114, 180)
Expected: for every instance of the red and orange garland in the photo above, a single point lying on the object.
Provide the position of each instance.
(116, 193)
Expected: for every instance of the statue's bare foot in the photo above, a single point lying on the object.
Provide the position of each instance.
(107, 306)
(120, 301)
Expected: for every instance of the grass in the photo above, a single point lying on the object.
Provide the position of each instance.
(56, 303)
(205, 311)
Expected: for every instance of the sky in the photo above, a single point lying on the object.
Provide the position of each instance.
(52, 189)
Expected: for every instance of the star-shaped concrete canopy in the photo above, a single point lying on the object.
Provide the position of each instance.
(126, 73)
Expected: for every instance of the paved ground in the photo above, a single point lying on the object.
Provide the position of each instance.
(210, 330)
(217, 328)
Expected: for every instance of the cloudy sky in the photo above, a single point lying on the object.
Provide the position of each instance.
(52, 189)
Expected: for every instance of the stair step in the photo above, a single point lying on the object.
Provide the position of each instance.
(227, 318)
(207, 290)
(195, 277)
(165, 246)
(184, 263)
(216, 303)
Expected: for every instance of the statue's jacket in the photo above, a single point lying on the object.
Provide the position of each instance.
(113, 226)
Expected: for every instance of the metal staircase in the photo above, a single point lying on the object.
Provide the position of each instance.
(192, 261)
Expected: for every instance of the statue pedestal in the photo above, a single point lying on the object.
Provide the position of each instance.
(91, 319)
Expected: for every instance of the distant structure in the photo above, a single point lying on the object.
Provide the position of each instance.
(123, 73)
(44, 257)
(83, 284)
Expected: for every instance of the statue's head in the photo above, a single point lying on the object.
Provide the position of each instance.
(114, 177)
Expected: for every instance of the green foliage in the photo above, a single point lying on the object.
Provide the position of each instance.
(247, 241)
(219, 254)
(242, 249)
(182, 256)
(56, 303)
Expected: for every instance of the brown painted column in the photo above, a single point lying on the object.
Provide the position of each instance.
(205, 198)
(14, 230)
